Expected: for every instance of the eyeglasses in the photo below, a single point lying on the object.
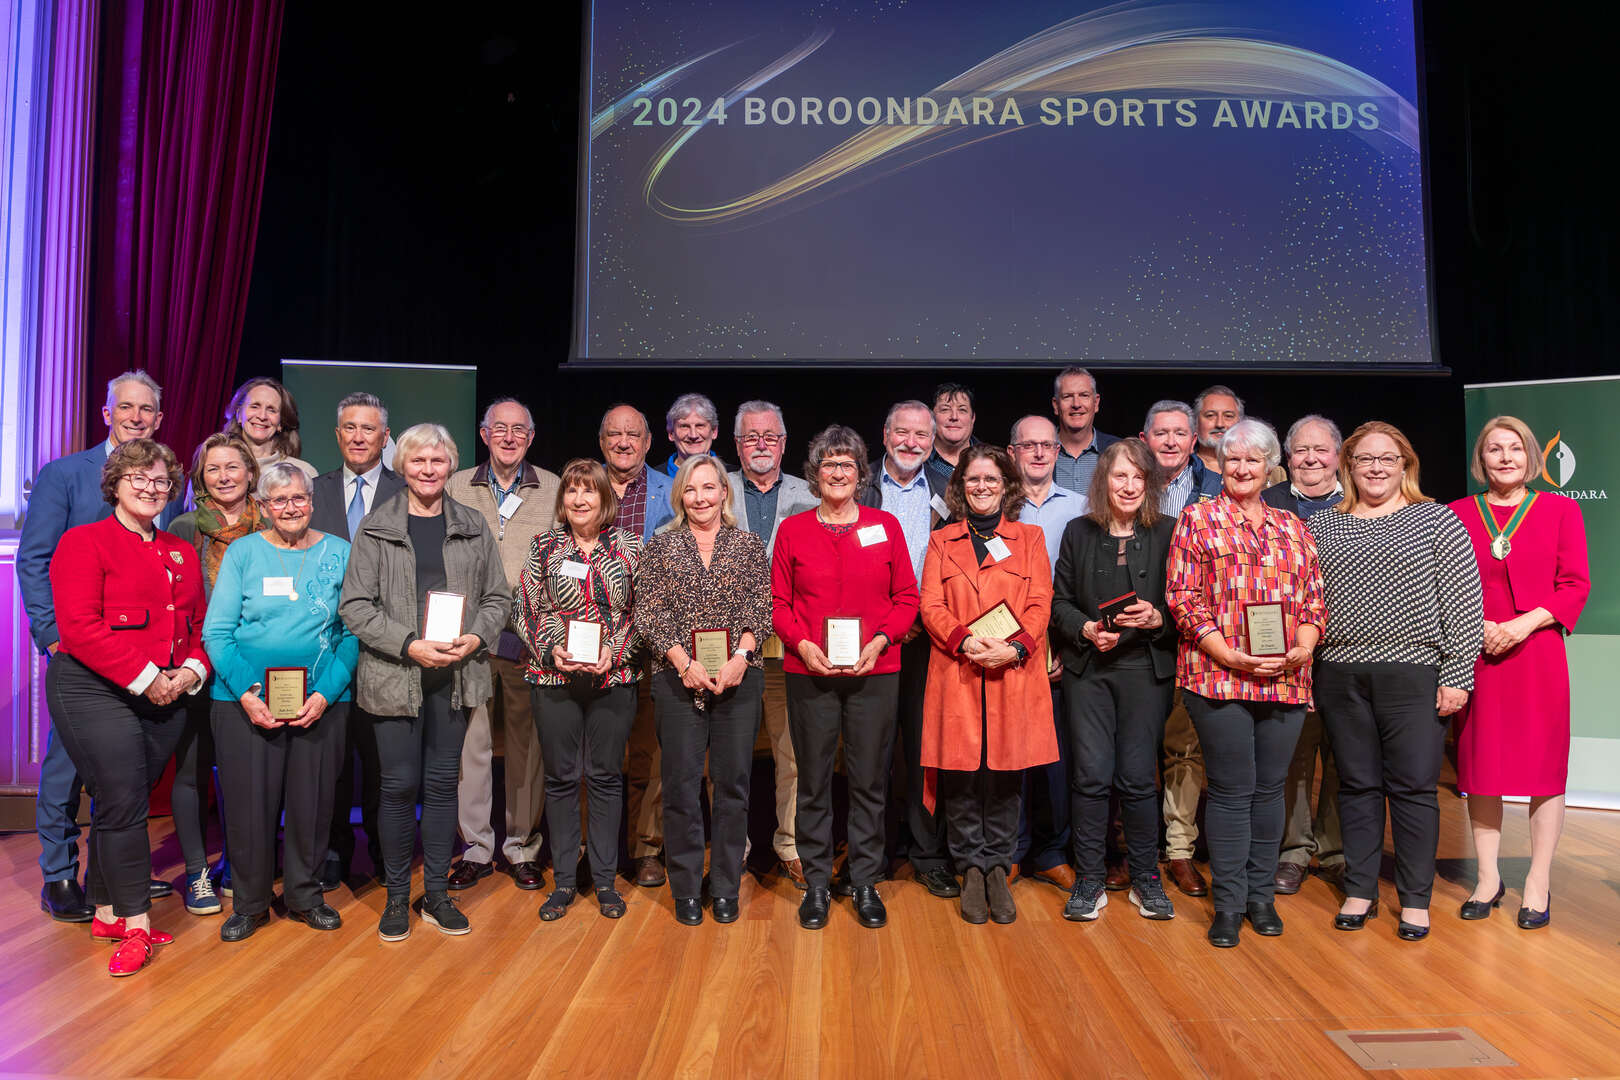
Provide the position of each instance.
(282, 502)
(1367, 461)
(982, 483)
(754, 438)
(839, 467)
(501, 431)
(1032, 446)
(147, 483)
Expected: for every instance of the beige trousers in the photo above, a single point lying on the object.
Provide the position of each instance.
(509, 712)
(1183, 782)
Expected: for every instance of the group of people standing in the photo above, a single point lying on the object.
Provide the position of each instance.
(992, 643)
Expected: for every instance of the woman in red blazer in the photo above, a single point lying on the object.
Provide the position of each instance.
(129, 607)
(841, 561)
(1513, 736)
(987, 712)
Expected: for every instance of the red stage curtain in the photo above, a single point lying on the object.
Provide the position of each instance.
(186, 91)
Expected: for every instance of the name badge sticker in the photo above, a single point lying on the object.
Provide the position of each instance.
(937, 503)
(573, 569)
(510, 505)
(872, 534)
(278, 586)
(997, 547)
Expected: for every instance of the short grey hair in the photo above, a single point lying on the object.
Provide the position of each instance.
(1070, 372)
(1012, 436)
(749, 408)
(1222, 391)
(490, 409)
(1170, 405)
(426, 435)
(1314, 418)
(362, 400)
(1250, 434)
(136, 376)
(903, 406)
(691, 403)
(280, 475)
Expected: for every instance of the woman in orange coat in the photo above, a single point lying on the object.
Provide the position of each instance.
(987, 713)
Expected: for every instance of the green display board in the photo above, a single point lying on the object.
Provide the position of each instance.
(1573, 419)
(414, 393)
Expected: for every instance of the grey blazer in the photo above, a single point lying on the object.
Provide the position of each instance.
(793, 497)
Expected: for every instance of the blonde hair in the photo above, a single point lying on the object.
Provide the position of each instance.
(1532, 447)
(1409, 460)
(683, 480)
(419, 435)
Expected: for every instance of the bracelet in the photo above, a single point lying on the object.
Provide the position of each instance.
(687, 668)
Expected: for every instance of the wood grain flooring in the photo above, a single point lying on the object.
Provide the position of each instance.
(928, 996)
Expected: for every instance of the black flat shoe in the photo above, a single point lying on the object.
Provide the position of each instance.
(239, 927)
(869, 907)
(813, 908)
(940, 882)
(1481, 909)
(1535, 920)
(689, 912)
(1223, 932)
(1264, 919)
(332, 873)
(610, 903)
(556, 905)
(1341, 921)
(1411, 931)
(320, 917)
(157, 890)
(64, 901)
(725, 909)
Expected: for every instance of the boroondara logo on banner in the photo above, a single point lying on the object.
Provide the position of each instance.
(1558, 469)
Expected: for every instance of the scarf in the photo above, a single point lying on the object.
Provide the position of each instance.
(214, 536)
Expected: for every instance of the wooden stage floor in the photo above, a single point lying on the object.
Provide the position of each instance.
(927, 996)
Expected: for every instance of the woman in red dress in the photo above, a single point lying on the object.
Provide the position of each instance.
(1514, 734)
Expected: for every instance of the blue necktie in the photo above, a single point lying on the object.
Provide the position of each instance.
(357, 506)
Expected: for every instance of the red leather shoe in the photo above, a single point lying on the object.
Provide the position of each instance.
(115, 931)
(132, 954)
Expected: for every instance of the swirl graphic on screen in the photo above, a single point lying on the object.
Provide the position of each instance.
(1120, 49)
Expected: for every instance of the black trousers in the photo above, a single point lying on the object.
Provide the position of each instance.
(261, 770)
(820, 709)
(725, 730)
(362, 748)
(924, 832)
(120, 744)
(1115, 715)
(1247, 748)
(583, 731)
(193, 778)
(981, 816)
(420, 756)
(1045, 826)
(1388, 742)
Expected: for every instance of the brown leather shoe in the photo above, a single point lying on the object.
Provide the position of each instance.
(1061, 875)
(528, 875)
(1118, 877)
(1289, 877)
(465, 874)
(1184, 873)
(794, 869)
(649, 872)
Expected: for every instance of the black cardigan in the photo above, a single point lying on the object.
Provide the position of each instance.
(1075, 601)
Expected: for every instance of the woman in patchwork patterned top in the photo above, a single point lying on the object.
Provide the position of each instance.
(703, 602)
(1245, 589)
(582, 573)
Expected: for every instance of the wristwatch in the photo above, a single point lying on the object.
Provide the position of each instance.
(748, 655)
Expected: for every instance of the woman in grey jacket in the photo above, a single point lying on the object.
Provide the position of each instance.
(422, 541)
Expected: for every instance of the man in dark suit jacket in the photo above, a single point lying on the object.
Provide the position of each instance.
(343, 497)
(67, 493)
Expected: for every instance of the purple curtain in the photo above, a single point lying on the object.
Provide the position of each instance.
(186, 91)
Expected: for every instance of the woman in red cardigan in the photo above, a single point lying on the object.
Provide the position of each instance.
(1513, 737)
(987, 713)
(841, 568)
(129, 606)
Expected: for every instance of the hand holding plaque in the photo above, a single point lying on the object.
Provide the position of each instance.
(584, 644)
(1265, 631)
(711, 648)
(997, 624)
(843, 642)
(442, 620)
(285, 691)
(1111, 610)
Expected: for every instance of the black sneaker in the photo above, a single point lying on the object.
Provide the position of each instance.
(1086, 900)
(1147, 893)
(395, 924)
(441, 912)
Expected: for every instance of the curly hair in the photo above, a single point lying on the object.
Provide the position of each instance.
(1012, 485)
(836, 439)
(134, 456)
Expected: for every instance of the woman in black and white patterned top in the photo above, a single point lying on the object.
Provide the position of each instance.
(1405, 621)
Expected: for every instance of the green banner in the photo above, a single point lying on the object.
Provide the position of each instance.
(1573, 419)
(414, 394)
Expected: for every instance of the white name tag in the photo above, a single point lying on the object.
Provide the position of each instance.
(997, 547)
(939, 507)
(872, 534)
(278, 586)
(510, 506)
(573, 569)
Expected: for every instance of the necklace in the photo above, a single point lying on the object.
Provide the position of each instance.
(292, 593)
(828, 521)
(991, 535)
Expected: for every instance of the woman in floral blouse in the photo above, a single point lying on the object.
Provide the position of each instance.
(582, 571)
(705, 575)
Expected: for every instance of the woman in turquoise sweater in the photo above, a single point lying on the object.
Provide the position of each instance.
(279, 740)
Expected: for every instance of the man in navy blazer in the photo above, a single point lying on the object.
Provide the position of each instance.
(67, 493)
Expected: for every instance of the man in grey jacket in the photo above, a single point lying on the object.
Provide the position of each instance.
(518, 502)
